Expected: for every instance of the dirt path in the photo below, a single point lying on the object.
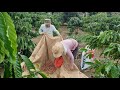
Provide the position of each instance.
(63, 31)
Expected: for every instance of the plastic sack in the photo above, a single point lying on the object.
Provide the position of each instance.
(85, 59)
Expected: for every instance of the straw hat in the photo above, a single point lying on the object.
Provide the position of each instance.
(57, 50)
(47, 20)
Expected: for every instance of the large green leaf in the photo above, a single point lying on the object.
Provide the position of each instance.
(108, 67)
(89, 63)
(7, 66)
(3, 51)
(31, 67)
(11, 32)
(99, 69)
(108, 50)
(18, 69)
(8, 35)
(43, 74)
(28, 63)
(2, 56)
(83, 49)
(114, 72)
(92, 65)
(98, 62)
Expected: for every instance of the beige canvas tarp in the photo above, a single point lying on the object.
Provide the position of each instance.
(42, 58)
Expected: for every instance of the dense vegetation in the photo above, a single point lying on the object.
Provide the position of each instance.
(27, 25)
(10, 58)
(109, 41)
(103, 33)
(18, 28)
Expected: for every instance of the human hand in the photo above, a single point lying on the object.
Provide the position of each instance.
(23, 65)
(43, 33)
(61, 37)
(71, 67)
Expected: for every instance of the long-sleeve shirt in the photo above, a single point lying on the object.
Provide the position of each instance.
(69, 46)
(48, 30)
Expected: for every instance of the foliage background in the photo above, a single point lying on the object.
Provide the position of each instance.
(18, 28)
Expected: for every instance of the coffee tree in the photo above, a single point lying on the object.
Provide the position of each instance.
(23, 26)
(109, 41)
(74, 23)
(100, 22)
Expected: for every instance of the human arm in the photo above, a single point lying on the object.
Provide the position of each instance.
(55, 30)
(71, 57)
(41, 29)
